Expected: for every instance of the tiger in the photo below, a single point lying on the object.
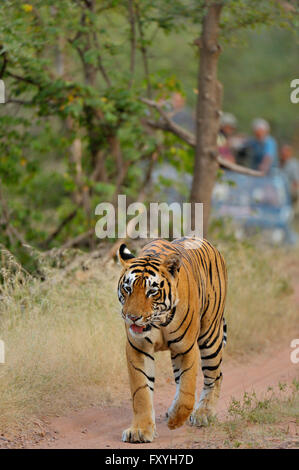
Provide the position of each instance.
(173, 297)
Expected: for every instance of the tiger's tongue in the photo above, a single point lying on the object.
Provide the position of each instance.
(136, 328)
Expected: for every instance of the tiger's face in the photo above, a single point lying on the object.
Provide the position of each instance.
(147, 290)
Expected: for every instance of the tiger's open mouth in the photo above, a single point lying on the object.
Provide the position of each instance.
(139, 329)
(136, 328)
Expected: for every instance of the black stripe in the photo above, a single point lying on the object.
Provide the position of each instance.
(211, 356)
(170, 318)
(188, 306)
(137, 265)
(151, 379)
(212, 383)
(203, 262)
(206, 309)
(140, 351)
(140, 388)
(186, 370)
(208, 377)
(180, 323)
(208, 330)
(183, 353)
(211, 367)
(210, 272)
(179, 338)
(149, 271)
(206, 344)
(148, 339)
(212, 324)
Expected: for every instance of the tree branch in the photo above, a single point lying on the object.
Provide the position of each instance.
(22, 102)
(100, 63)
(169, 126)
(23, 79)
(57, 231)
(77, 240)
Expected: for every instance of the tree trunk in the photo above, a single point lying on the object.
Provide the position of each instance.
(207, 113)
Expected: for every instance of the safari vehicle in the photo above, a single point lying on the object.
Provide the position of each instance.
(255, 205)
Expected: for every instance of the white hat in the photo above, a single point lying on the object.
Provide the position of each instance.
(260, 123)
(228, 119)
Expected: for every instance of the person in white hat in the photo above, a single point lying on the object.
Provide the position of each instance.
(263, 147)
(228, 125)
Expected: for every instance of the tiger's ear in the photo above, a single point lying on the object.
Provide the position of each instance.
(124, 255)
(173, 263)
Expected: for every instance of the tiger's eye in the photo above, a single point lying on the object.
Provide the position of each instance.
(127, 289)
(151, 292)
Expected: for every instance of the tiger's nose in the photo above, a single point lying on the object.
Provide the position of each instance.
(132, 317)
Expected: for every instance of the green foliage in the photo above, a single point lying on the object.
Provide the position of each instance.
(75, 70)
(267, 410)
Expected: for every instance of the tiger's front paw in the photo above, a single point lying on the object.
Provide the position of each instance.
(136, 434)
(177, 416)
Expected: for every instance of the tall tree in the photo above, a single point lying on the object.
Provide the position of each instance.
(208, 111)
(219, 21)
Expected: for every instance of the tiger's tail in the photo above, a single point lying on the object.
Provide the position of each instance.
(224, 332)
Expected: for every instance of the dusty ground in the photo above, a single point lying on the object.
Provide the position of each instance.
(102, 427)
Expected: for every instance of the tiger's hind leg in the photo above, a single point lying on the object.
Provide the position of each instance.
(211, 358)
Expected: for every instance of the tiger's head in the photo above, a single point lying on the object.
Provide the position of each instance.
(147, 289)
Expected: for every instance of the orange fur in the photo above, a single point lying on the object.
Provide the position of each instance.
(173, 297)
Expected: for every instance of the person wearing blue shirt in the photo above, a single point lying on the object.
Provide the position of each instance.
(263, 148)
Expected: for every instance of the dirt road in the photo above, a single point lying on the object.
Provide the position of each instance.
(102, 427)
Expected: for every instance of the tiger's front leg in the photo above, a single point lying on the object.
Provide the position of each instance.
(141, 369)
(185, 367)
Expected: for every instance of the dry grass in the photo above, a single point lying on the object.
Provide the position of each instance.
(65, 339)
(269, 421)
(260, 308)
(64, 344)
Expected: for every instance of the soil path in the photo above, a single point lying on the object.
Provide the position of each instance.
(102, 427)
